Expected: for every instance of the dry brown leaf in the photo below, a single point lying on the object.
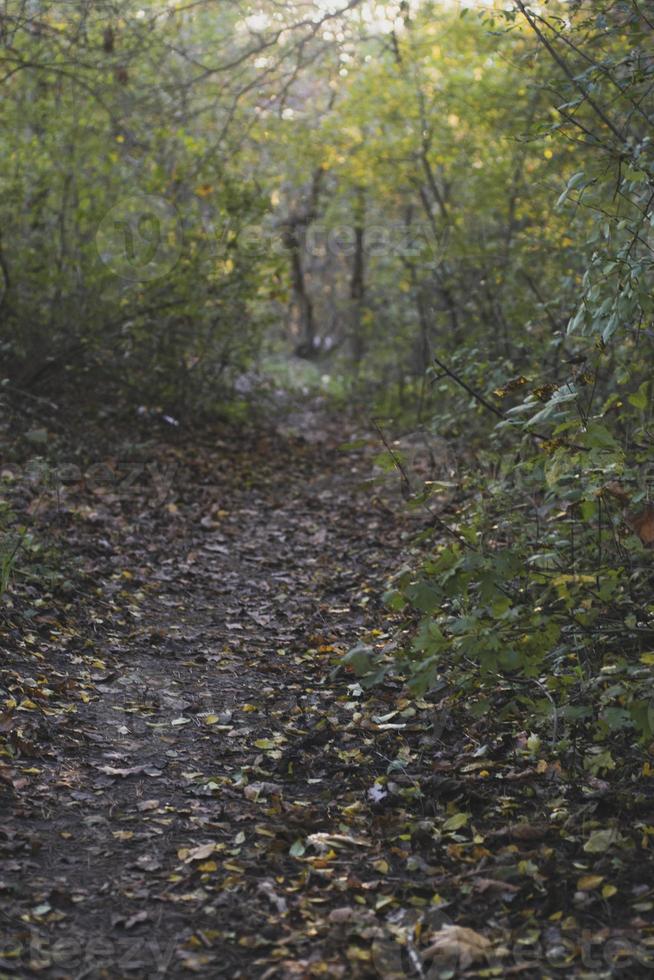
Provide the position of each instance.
(323, 841)
(200, 853)
(522, 831)
(460, 943)
(493, 884)
(616, 490)
(641, 523)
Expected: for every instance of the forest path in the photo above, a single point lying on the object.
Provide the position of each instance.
(194, 731)
(191, 785)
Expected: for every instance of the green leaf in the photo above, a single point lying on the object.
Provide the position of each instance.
(575, 181)
(639, 399)
(359, 658)
(600, 841)
(456, 822)
(37, 437)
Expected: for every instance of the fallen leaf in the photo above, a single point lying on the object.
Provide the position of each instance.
(145, 806)
(587, 883)
(123, 773)
(134, 920)
(199, 853)
(492, 884)
(458, 942)
(600, 841)
(325, 841)
(457, 821)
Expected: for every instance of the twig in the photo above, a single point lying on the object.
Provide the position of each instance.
(407, 483)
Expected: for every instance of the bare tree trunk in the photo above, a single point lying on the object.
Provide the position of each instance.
(302, 318)
(302, 315)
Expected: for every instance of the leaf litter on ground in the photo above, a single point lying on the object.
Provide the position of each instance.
(192, 777)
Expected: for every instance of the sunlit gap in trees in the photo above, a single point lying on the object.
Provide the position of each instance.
(380, 18)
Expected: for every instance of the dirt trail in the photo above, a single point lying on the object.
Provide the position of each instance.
(189, 783)
(193, 734)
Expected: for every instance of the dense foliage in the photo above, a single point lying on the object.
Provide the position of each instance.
(539, 603)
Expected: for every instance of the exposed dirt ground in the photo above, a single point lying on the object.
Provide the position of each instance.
(190, 784)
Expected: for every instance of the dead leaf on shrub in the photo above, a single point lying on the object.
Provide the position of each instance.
(642, 523)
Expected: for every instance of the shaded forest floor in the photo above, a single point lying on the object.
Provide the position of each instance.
(190, 784)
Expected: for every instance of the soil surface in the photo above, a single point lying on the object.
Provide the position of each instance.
(192, 783)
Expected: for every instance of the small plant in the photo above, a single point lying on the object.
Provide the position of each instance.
(537, 605)
(11, 542)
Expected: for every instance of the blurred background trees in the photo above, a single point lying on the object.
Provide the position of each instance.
(186, 186)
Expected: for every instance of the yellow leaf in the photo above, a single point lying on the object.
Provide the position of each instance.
(587, 883)
(208, 866)
(358, 953)
(210, 719)
(383, 901)
(608, 891)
